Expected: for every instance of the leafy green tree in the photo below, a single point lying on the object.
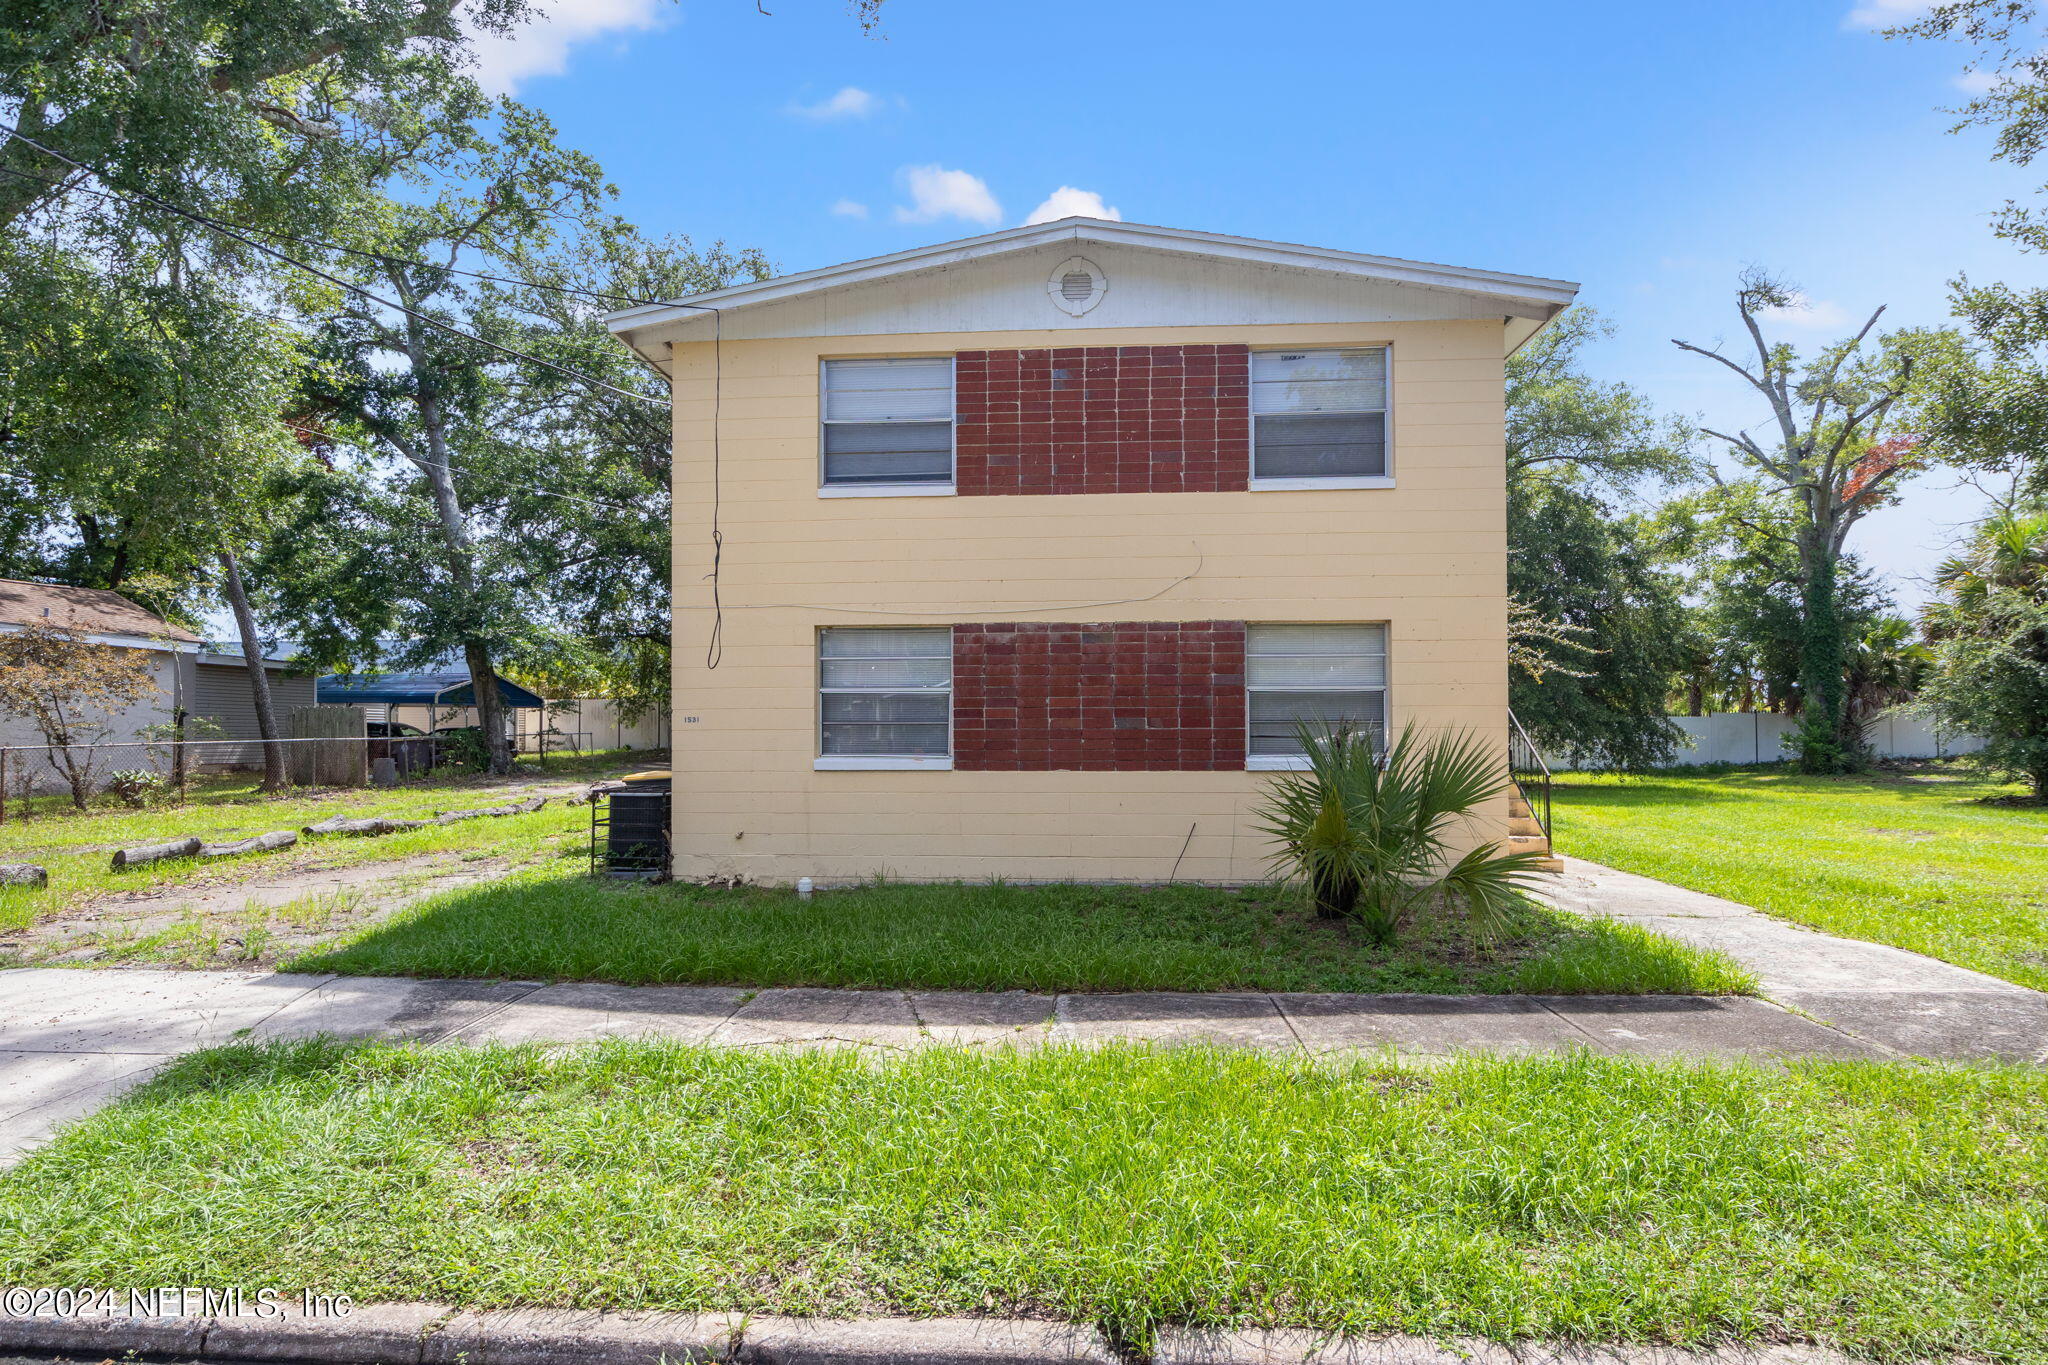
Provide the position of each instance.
(1827, 462)
(218, 103)
(1596, 616)
(1989, 629)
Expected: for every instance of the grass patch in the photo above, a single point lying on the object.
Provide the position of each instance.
(1924, 859)
(75, 846)
(557, 925)
(1888, 1210)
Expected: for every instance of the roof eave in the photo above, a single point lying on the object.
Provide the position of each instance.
(1546, 297)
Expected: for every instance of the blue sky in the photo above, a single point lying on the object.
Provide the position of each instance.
(1649, 158)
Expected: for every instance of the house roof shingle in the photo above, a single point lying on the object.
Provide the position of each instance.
(93, 611)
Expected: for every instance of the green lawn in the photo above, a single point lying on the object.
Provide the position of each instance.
(554, 923)
(1917, 859)
(75, 846)
(1893, 1211)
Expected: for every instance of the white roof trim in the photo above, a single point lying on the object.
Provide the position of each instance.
(119, 641)
(1527, 289)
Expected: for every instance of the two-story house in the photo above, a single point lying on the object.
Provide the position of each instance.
(1021, 556)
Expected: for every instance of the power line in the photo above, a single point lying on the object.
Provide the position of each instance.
(598, 296)
(465, 469)
(152, 201)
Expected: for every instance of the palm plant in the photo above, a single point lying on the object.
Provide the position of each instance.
(1368, 832)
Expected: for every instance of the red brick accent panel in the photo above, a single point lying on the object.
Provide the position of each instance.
(1144, 695)
(1103, 419)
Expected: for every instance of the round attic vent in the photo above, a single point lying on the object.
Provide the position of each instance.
(1076, 285)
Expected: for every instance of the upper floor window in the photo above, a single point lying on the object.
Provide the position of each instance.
(888, 422)
(1322, 676)
(1319, 414)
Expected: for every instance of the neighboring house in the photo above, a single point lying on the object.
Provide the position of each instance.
(188, 672)
(1022, 555)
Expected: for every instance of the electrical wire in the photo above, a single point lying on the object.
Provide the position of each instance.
(465, 469)
(715, 647)
(165, 206)
(595, 295)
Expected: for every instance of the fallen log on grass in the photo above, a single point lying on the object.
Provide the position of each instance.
(156, 853)
(23, 874)
(262, 843)
(369, 828)
(526, 807)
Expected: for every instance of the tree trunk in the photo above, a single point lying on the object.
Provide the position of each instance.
(490, 707)
(275, 778)
(1823, 660)
(483, 676)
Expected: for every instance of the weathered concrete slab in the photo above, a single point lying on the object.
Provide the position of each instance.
(34, 1080)
(122, 1010)
(1428, 1025)
(918, 1341)
(370, 1334)
(1172, 1017)
(1701, 1026)
(1789, 957)
(976, 1018)
(399, 1009)
(2006, 1025)
(27, 1129)
(812, 1017)
(1184, 1346)
(542, 1336)
(580, 1012)
(104, 1338)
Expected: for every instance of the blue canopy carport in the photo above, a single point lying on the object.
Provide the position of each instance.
(416, 689)
(450, 689)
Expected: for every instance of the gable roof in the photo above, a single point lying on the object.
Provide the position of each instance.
(90, 611)
(1532, 295)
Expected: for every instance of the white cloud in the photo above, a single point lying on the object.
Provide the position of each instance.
(1806, 312)
(540, 47)
(1068, 202)
(936, 192)
(1979, 82)
(850, 102)
(849, 208)
(1884, 13)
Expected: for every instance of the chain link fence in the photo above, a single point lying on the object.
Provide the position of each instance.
(140, 772)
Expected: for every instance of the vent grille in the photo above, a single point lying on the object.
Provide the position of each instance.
(1076, 285)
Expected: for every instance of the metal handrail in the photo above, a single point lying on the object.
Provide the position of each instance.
(1527, 769)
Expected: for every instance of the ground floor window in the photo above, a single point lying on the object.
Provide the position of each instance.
(885, 692)
(1324, 675)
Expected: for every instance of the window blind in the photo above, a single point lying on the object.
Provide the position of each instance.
(885, 691)
(888, 420)
(1319, 414)
(1322, 675)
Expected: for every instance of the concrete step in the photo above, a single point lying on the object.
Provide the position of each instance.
(1517, 807)
(1524, 824)
(1550, 865)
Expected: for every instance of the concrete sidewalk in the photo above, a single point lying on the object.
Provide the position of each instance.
(1911, 1004)
(71, 1040)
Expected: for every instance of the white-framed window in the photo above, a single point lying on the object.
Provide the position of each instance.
(885, 697)
(887, 425)
(1324, 675)
(1319, 418)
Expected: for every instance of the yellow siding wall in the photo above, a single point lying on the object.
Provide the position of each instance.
(1427, 556)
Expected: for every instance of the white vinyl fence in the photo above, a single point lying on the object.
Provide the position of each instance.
(1758, 737)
